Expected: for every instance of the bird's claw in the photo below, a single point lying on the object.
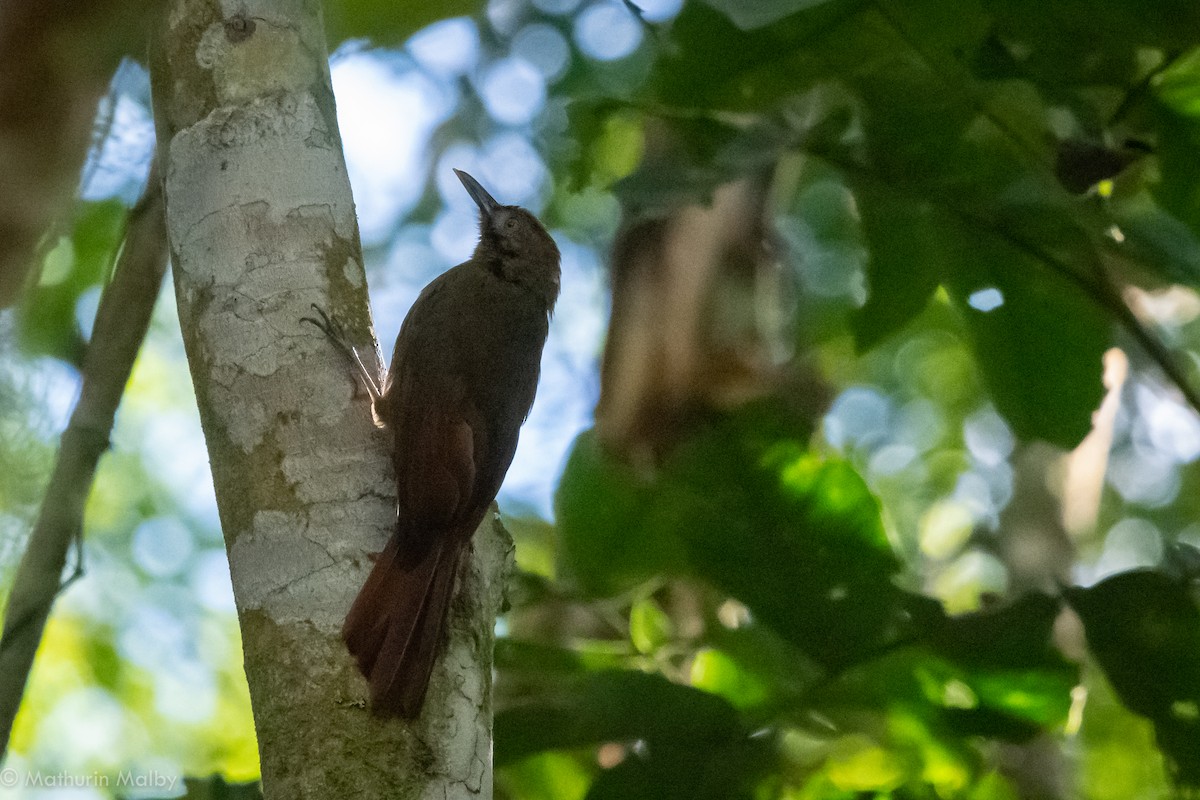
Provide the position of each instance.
(331, 327)
(326, 324)
(333, 331)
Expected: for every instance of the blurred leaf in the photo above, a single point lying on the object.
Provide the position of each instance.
(1081, 164)
(767, 658)
(514, 654)
(536, 544)
(795, 537)
(756, 68)
(1179, 138)
(913, 245)
(385, 22)
(1040, 350)
(689, 161)
(600, 506)
(613, 706)
(751, 14)
(1158, 240)
(1015, 635)
(714, 671)
(671, 771)
(1178, 85)
(545, 776)
(1119, 758)
(607, 138)
(649, 626)
(1143, 627)
(547, 660)
(1075, 42)
(215, 787)
(859, 765)
(992, 673)
(993, 787)
(1020, 683)
(78, 262)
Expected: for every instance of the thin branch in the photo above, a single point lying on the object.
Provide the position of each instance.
(1097, 286)
(966, 87)
(1139, 90)
(121, 324)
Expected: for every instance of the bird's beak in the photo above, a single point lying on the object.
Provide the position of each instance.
(487, 204)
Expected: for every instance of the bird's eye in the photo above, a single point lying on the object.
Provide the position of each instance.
(511, 223)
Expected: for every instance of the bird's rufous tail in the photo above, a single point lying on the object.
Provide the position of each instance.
(395, 626)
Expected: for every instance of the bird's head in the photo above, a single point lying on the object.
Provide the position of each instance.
(514, 244)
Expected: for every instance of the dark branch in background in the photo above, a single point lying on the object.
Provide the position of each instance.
(56, 59)
(1138, 92)
(1096, 284)
(121, 324)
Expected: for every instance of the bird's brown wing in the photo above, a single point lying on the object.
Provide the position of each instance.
(394, 629)
(441, 442)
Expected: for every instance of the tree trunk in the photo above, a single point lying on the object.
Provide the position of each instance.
(261, 225)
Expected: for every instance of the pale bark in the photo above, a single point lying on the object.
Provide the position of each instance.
(261, 224)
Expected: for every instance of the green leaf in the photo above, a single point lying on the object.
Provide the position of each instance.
(1178, 189)
(913, 244)
(600, 507)
(993, 673)
(744, 505)
(1080, 43)
(649, 626)
(76, 263)
(755, 70)
(701, 771)
(613, 706)
(546, 776)
(767, 659)
(688, 164)
(607, 138)
(1159, 241)
(385, 22)
(1020, 682)
(1143, 627)
(1040, 351)
(714, 671)
(514, 654)
(752, 14)
(796, 537)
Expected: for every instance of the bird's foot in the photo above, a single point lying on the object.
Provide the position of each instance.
(333, 330)
(331, 327)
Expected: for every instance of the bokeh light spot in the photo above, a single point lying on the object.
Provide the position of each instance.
(513, 91)
(162, 546)
(449, 47)
(986, 299)
(556, 6)
(658, 10)
(607, 31)
(544, 47)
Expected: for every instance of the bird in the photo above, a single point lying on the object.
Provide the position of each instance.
(461, 382)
